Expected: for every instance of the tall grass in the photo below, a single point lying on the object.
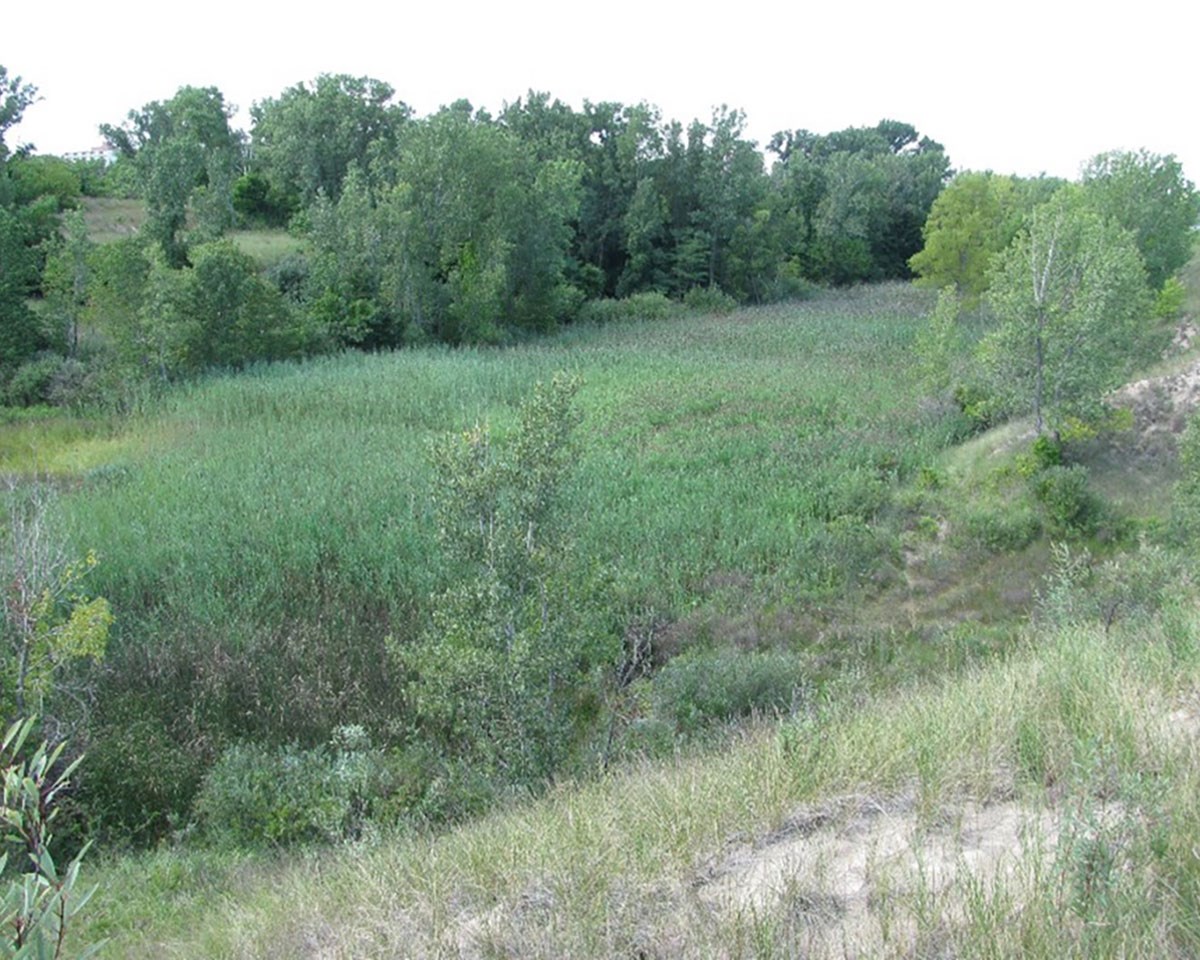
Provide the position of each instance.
(276, 530)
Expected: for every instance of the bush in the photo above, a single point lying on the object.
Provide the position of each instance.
(1069, 505)
(139, 782)
(1170, 300)
(978, 405)
(709, 300)
(31, 383)
(40, 900)
(696, 690)
(257, 794)
(640, 306)
(1011, 527)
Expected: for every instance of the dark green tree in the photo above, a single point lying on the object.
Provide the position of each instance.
(185, 153)
(305, 141)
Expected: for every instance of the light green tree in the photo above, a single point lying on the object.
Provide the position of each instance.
(971, 221)
(1072, 309)
(1147, 194)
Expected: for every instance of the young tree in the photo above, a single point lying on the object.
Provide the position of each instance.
(15, 98)
(1072, 304)
(47, 622)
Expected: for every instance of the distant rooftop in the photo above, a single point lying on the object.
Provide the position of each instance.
(103, 152)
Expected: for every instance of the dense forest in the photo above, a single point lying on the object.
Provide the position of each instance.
(597, 435)
(458, 227)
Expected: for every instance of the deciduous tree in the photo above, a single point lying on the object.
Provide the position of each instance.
(1147, 194)
(1072, 304)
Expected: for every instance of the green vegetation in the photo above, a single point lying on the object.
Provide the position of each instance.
(696, 437)
(666, 564)
(1075, 753)
(41, 902)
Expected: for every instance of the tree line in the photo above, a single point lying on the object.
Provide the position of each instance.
(460, 227)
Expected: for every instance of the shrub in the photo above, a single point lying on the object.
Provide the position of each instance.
(977, 404)
(39, 901)
(1170, 300)
(709, 300)
(257, 794)
(1010, 527)
(1069, 505)
(696, 690)
(640, 306)
(31, 383)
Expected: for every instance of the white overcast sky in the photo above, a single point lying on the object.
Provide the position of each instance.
(1022, 86)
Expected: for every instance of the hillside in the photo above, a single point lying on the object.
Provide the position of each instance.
(941, 774)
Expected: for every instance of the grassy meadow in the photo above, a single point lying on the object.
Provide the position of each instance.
(768, 507)
(736, 489)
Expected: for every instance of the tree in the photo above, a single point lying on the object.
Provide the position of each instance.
(1072, 305)
(1148, 195)
(20, 333)
(65, 283)
(184, 152)
(308, 139)
(971, 221)
(15, 98)
(463, 238)
(496, 680)
(851, 203)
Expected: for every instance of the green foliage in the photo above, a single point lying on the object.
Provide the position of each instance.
(33, 382)
(1002, 529)
(1071, 303)
(308, 139)
(21, 335)
(852, 203)
(257, 795)
(476, 236)
(639, 306)
(1070, 507)
(36, 177)
(1170, 300)
(65, 284)
(49, 622)
(698, 689)
(499, 677)
(938, 344)
(185, 153)
(42, 902)
(258, 202)
(1148, 195)
(1186, 509)
(709, 300)
(971, 221)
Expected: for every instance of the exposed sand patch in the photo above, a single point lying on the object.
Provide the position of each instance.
(1161, 407)
(845, 868)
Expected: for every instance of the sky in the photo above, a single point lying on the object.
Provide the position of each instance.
(1024, 86)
